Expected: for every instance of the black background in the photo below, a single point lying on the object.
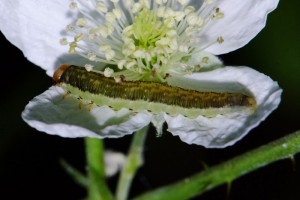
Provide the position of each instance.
(29, 160)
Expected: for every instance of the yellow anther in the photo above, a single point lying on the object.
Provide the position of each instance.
(73, 5)
(63, 41)
(81, 22)
(220, 40)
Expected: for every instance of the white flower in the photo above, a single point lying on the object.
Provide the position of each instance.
(145, 40)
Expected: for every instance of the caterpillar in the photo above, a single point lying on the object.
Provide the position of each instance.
(145, 95)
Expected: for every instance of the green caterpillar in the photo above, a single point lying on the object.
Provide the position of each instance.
(144, 95)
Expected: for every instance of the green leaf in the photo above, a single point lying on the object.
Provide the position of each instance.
(77, 176)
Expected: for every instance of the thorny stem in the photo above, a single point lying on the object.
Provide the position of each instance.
(285, 147)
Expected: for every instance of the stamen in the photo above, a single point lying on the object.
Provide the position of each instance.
(136, 7)
(81, 22)
(63, 41)
(121, 64)
(88, 67)
(148, 40)
(117, 13)
(73, 5)
(220, 40)
(109, 54)
(78, 37)
(108, 72)
(100, 6)
(183, 2)
(73, 45)
(189, 10)
(205, 59)
(70, 28)
(91, 56)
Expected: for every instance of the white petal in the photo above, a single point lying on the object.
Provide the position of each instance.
(57, 114)
(205, 60)
(224, 130)
(36, 27)
(242, 21)
(114, 162)
(158, 122)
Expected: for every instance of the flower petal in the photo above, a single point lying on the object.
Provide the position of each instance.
(114, 162)
(242, 21)
(36, 27)
(225, 130)
(56, 113)
(158, 122)
(206, 61)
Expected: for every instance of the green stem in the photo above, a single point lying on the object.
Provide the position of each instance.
(285, 147)
(97, 188)
(77, 176)
(133, 162)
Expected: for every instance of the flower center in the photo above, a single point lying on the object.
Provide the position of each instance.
(147, 29)
(143, 40)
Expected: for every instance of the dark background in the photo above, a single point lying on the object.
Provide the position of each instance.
(29, 160)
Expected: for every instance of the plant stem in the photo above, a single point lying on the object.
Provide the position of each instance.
(97, 188)
(285, 147)
(133, 162)
(77, 176)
